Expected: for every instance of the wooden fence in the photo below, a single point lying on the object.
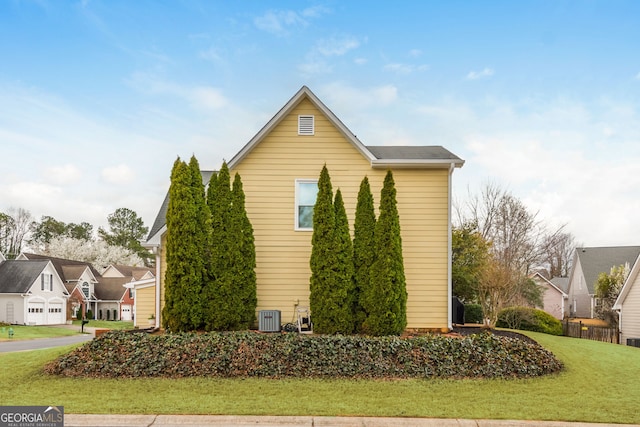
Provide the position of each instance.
(596, 333)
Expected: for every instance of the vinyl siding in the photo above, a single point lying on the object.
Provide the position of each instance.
(269, 173)
(630, 313)
(145, 306)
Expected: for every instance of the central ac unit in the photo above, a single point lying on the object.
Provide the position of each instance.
(269, 321)
(633, 342)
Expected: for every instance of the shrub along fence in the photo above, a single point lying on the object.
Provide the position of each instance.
(596, 333)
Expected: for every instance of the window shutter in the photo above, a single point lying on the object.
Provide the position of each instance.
(306, 125)
(42, 282)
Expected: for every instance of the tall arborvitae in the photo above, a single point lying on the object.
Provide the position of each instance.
(323, 256)
(342, 293)
(363, 228)
(218, 293)
(244, 273)
(386, 300)
(185, 267)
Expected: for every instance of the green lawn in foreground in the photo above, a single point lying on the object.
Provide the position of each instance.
(21, 332)
(106, 324)
(600, 384)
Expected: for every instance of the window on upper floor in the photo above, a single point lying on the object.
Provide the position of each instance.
(306, 192)
(85, 289)
(46, 282)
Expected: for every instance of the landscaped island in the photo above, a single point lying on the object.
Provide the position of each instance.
(120, 354)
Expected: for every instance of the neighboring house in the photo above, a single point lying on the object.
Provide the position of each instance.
(89, 290)
(80, 279)
(115, 301)
(553, 297)
(144, 306)
(628, 306)
(31, 293)
(137, 273)
(587, 264)
(282, 162)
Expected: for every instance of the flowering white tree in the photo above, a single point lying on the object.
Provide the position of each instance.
(96, 252)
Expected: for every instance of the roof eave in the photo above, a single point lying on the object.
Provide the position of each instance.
(416, 163)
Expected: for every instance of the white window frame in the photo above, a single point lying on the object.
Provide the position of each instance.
(297, 226)
(46, 282)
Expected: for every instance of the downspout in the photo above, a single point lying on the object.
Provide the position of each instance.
(449, 251)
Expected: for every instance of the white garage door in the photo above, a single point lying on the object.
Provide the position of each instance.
(35, 313)
(56, 314)
(125, 313)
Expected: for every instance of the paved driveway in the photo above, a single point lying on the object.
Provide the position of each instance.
(37, 344)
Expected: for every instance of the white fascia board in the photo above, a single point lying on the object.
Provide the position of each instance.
(627, 285)
(156, 239)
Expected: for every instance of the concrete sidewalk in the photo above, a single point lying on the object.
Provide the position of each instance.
(95, 420)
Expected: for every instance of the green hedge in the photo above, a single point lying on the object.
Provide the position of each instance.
(473, 313)
(119, 354)
(529, 319)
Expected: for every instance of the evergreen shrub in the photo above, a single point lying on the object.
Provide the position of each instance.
(529, 319)
(473, 313)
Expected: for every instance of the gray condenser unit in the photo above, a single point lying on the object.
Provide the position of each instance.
(633, 342)
(269, 321)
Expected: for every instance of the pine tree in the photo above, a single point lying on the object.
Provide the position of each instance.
(386, 300)
(342, 293)
(323, 258)
(363, 255)
(185, 268)
(218, 295)
(244, 273)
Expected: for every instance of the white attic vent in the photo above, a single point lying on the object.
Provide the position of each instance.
(305, 125)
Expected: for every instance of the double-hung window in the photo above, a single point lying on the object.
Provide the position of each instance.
(306, 192)
(46, 282)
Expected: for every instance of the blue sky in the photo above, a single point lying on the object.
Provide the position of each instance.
(98, 98)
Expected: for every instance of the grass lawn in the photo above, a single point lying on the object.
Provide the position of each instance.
(600, 384)
(106, 324)
(21, 332)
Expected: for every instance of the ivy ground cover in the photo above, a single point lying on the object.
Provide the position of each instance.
(121, 354)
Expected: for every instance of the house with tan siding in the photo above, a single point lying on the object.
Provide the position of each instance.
(553, 297)
(628, 307)
(280, 167)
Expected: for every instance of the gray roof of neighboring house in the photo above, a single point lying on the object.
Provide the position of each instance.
(111, 288)
(600, 260)
(59, 263)
(17, 276)
(561, 283)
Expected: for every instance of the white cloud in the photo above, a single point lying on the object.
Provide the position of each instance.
(337, 46)
(414, 53)
(119, 174)
(281, 21)
(475, 75)
(405, 68)
(63, 174)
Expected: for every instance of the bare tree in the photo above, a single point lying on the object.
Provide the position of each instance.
(558, 253)
(14, 226)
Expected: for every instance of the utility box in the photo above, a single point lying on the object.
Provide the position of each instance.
(269, 321)
(633, 342)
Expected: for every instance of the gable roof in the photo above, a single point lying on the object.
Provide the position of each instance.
(561, 283)
(628, 284)
(549, 283)
(111, 288)
(65, 266)
(596, 260)
(133, 272)
(384, 156)
(378, 156)
(18, 276)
